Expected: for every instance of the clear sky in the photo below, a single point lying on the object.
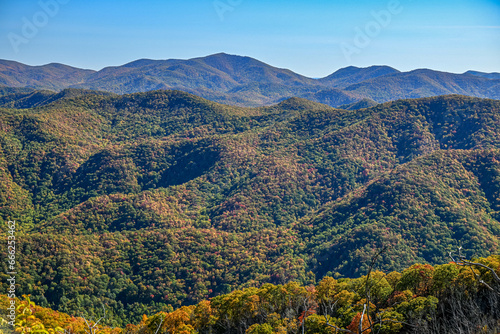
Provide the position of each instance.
(310, 37)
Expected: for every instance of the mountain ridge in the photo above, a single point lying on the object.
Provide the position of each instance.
(245, 81)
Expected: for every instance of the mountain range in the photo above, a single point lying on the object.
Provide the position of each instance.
(154, 200)
(244, 81)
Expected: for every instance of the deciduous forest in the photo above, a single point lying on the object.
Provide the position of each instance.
(175, 214)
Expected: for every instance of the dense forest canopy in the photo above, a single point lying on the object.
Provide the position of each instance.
(457, 297)
(156, 201)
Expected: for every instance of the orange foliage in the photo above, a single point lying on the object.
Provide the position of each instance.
(354, 326)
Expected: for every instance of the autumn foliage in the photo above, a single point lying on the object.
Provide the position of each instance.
(391, 306)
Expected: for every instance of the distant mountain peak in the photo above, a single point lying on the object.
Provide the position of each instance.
(351, 69)
(230, 60)
(140, 63)
(493, 75)
(351, 75)
(224, 55)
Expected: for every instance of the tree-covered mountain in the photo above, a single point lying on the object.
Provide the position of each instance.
(494, 75)
(352, 75)
(155, 200)
(51, 76)
(364, 103)
(25, 98)
(244, 81)
(219, 73)
(425, 83)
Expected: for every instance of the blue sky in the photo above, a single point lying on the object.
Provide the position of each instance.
(313, 38)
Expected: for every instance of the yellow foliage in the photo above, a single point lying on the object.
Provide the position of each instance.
(393, 278)
(326, 289)
(391, 322)
(176, 322)
(359, 305)
(344, 298)
(203, 315)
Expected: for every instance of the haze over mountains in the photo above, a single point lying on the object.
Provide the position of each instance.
(245, 81)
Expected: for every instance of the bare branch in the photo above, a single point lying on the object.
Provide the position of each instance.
(159, 326)
(103, 317)
(337, 328)
(93, 329)
(463, 262)
(495, 276)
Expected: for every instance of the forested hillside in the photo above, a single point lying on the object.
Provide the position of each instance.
(153, 201)
(456, 297)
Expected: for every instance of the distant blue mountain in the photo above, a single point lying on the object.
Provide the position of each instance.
(246, 81)
(494, 75)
